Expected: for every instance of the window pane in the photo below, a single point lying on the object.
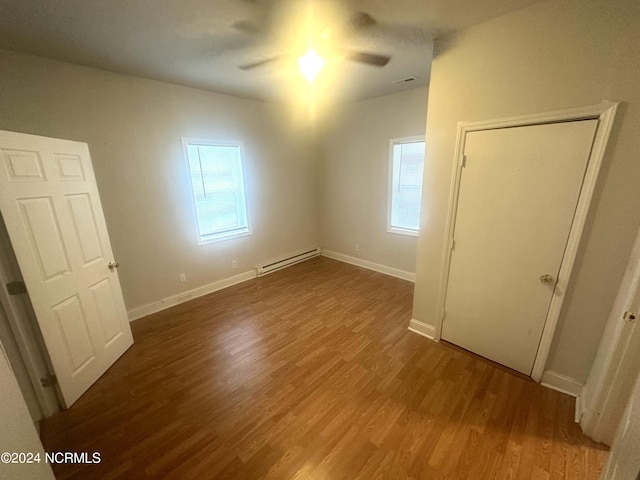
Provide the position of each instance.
(216, 178)
(406, 185)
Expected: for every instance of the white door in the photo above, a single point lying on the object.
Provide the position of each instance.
(518, 195)
(50, 204)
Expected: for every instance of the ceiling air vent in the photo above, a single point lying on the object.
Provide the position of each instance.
(403, 80)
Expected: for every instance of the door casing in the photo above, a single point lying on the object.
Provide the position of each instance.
(25, 330)
(605, 114)
(610, 381)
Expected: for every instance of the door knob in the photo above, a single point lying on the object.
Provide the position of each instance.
(113, 265)
(546, 279)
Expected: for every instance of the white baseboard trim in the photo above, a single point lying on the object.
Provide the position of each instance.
(561, 383)
(423, 329)
(148, 309)
(579, 409)
(376, 267)
(568, 385)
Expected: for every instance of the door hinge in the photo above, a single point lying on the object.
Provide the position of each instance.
(463, 161)
(16, 288)
(629, 316)
(453, 244)
(49, 381)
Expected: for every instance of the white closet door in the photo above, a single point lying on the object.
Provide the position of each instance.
(518, 195)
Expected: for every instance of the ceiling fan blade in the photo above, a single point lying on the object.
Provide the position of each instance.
(373, 59)
(246, 26)
(360, 21)
(259, 63)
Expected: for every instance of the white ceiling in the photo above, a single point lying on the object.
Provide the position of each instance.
(195, 43)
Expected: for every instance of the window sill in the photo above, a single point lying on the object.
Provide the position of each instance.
(223, 237)
(401, 231)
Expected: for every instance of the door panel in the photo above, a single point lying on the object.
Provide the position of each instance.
(518, 194)
(41, 226)
(106, 307)
(85, 227)
(72, 325)
(50, 203)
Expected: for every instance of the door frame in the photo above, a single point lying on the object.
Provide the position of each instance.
(603, 112)
(25, 330)
(600, 399)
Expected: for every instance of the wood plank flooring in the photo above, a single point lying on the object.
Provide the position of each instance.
(310, 373)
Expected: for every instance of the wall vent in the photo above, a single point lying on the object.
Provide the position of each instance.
(288, 261)
(403, 80)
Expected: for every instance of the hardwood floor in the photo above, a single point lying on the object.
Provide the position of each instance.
(310, 373)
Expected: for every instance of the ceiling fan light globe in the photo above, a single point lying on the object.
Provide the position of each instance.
(310, 65)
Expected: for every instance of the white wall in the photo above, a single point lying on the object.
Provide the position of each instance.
(354, 176)
(18, 433)
(134, 127)
(550, 56)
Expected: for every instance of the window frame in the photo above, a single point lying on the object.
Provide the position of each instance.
(220, 236)
(392, 143)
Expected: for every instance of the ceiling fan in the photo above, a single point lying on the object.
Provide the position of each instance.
(311, 62)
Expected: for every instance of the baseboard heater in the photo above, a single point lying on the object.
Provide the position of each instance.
(288, 261)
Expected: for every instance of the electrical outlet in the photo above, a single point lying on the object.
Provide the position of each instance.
(356, 247)
(234, 264)
(183, 277)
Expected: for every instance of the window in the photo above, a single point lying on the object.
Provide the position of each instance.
(218, 189)
(405, 184)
